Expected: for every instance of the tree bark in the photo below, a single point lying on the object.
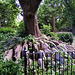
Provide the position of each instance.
(30, 8)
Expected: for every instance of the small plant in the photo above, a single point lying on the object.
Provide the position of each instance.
(55, 35)
(46, 29)
(30, 38)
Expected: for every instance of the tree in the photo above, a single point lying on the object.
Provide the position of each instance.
(70, 5)
(8, 13)
(30, 8)
(49, 12)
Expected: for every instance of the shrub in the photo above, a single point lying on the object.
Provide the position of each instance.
(10, 68)
(6, 30)
(55, 35)
(66, 37)
(46, 29)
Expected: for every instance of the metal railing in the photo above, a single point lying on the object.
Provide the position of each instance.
(53, 63)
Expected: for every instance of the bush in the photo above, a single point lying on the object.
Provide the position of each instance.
(6, 30)
(66, 37)
(46, 29)
(10, 68)
(21, 31)
(55, 35)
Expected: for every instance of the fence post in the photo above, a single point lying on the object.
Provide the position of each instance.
(25, 61)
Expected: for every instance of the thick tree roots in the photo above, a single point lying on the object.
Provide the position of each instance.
(45, 48)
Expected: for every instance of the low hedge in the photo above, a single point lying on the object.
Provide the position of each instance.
(65, 37)
(55, 35)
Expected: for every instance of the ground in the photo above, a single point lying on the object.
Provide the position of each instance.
(73, 44)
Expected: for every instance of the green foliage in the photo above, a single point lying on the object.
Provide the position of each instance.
(68, 14)
(46, 29)
(69, 11)
(44, 16)
(66, 37)
(46, 11)
(5, 37)
(29, 38)
(6, 30)
(8, 12)
(7, 41)
(10, 68)
(21, 30)
(64, 13)
(55, 35)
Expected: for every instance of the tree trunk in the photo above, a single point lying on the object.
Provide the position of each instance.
(73, 29)
(53, 23)
(2, 19)
(30, 8)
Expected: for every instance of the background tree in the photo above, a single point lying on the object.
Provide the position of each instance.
(70, 5)
(8, 13)
(49, 12)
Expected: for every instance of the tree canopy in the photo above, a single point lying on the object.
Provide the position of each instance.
(8, 12)
(63, 11)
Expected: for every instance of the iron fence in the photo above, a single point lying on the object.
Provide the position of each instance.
(53, 63)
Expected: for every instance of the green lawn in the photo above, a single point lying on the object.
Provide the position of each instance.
(73, 44)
